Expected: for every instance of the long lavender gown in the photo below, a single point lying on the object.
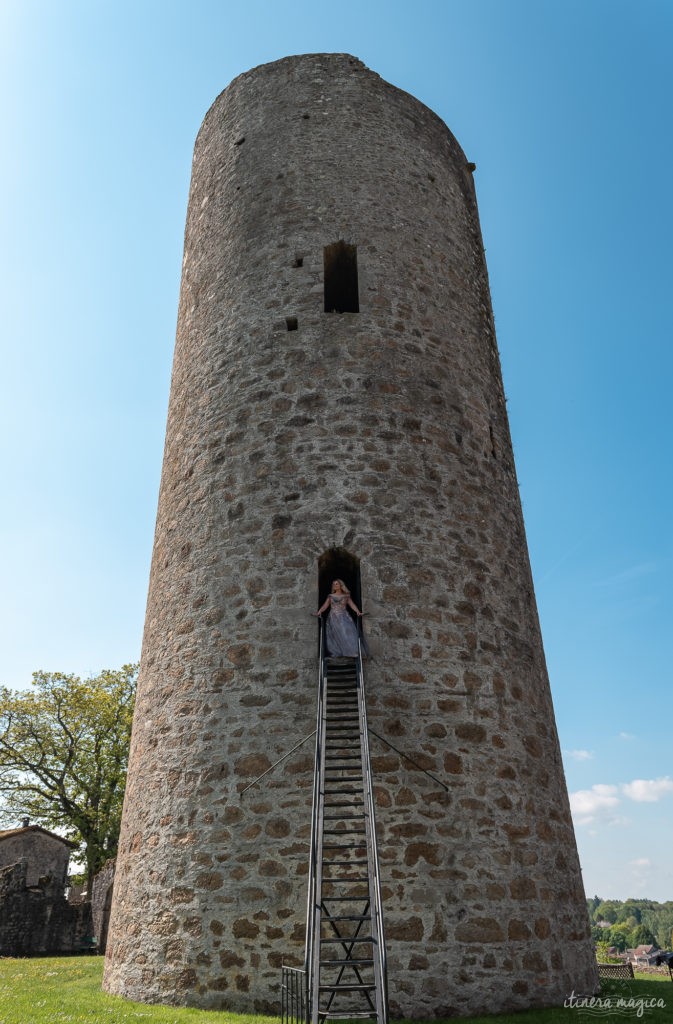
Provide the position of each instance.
(341, 632)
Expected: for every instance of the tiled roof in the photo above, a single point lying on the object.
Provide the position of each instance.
(6, 833)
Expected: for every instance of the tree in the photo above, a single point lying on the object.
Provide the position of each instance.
(642, 936)
(619, 938)
(603, 954)
(607, 911)
(63, 756)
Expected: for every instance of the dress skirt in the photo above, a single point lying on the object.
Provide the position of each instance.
(341, 631)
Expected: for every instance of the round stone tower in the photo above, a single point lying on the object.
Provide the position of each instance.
(337, 410)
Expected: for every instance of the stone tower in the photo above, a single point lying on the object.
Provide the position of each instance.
(337, 410)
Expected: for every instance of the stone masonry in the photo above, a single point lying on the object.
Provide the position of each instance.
(379, 435)
(46, 854)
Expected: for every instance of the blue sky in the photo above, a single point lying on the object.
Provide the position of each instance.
(565, 109)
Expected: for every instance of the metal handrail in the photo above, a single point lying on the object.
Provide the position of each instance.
(382, 963)
(292, 995)
(311, 904)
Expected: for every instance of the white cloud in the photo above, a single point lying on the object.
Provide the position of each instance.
(585, 804)
(641, 862)
(598, 803)
(648, 790)
(627, 736)
(580, 755)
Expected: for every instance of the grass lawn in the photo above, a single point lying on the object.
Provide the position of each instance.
(60, 990)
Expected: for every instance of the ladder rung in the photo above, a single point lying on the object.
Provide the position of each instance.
(348, 938)
(360, 1015)
(347, 988)
(347, 916)
(346, 878)
(343, 863)
(346, 963)
(343, 831)
(345, 899)
(343, 846)
(341, 899)
(342, 792)
(341, 817)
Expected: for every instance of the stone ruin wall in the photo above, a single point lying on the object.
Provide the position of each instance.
(35, 920)
(46, 856)
(384, 433)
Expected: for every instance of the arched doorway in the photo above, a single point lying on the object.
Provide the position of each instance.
(339, 564)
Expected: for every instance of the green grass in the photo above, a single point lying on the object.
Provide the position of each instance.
(66, 990)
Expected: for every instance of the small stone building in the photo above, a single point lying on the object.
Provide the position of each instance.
(35, 916)
(46, 854)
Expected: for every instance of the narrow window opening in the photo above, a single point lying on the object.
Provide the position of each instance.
(341, 278)
(292, 323)
(494, 452)
(299, 262)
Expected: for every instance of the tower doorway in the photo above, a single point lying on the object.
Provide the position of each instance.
(339, 564)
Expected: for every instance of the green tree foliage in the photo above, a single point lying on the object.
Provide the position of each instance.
(619, 938)
(639, 921)
(63, 756)
(642, 936)
(603, 956)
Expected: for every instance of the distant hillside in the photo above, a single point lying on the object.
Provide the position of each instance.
(629, 923)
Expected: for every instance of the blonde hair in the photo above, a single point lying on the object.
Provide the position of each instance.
(344, 588)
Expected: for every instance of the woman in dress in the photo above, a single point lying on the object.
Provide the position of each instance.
(341, 633)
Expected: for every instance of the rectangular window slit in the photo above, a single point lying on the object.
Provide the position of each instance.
(340, 262)
(292, 323)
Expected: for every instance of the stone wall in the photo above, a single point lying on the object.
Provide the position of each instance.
(101, 902)
(46, 855)
(293, 431)
(34, 921)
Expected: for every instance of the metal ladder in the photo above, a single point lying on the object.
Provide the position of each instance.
(345, 959)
